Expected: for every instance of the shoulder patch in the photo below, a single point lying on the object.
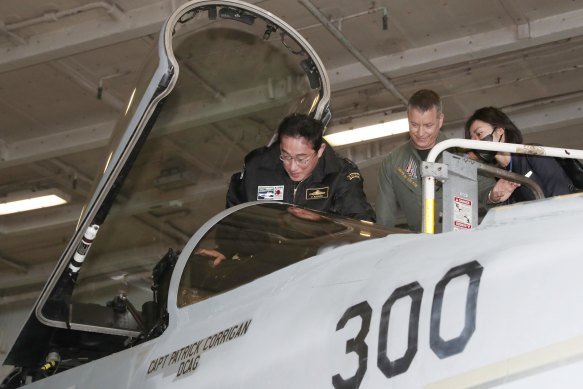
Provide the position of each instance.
(353, 176)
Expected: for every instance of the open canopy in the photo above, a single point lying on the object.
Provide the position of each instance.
(220, 78)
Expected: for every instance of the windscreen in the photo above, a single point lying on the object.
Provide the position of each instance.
(261, 239)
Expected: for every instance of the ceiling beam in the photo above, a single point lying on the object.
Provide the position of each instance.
(530, 119)
(141, 203)
(55, 145)
(534, 117)
(469, 48)
(67, 67)
(148, 20)
(63, 215)
(235, 104)
(90, 35)
(14, 265)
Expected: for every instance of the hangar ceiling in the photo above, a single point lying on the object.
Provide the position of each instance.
(67, 68)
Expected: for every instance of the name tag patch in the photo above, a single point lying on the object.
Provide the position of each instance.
(270, 192)
(317, 193)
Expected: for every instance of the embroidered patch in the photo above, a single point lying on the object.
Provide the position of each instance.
(406, 177)
(352, 176)
(270, 192)
(317, 193)
(411, 168)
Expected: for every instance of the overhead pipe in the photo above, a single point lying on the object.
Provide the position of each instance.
(524, 105)
(357, 54)
(15, 37)
(67, 67)
(54, 16)
(102, 79)
(352, 16)
(383, 9)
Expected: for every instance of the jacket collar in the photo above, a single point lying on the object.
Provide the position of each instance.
(327, 164)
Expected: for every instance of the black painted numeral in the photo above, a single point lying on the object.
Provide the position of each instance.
(398, 366)
(442, 348)
(356, 345)
(447, 348)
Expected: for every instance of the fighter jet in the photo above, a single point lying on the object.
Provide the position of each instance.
(160, 287)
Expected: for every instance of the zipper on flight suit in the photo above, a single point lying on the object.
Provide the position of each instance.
(296, 186)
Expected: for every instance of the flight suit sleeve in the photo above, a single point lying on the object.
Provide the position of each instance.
(236, 192)
(350, 198)
(386, 202)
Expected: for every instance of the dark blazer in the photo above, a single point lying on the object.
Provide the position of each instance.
(546, 172)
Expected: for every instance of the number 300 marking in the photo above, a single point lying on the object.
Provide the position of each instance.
(441, 348)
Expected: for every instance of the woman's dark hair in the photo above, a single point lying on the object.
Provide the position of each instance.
(303, 126)
(497, 119)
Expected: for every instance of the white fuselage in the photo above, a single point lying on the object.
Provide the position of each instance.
(495, 306)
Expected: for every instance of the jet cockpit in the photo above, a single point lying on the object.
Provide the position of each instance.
(219, 78)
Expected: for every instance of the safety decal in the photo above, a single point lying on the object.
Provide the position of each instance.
(462, 213)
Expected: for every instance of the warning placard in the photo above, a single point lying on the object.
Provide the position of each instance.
(462, 213)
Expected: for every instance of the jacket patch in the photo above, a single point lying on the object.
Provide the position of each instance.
(407, 178)
(270, 192)
(411, 168)
(353, 176)
(317, 193)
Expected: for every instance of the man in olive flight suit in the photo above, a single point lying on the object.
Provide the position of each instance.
(400, 181)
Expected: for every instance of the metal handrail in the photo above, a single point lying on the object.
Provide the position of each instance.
(492, 171)
(428, 219)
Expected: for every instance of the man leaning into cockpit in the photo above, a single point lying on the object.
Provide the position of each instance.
(302, 169)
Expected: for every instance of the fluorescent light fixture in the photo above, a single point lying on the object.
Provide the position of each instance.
(375, 131)
(27, 201)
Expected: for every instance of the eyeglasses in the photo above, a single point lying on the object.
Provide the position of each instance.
(302, 161)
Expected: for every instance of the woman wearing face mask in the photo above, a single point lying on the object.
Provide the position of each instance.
(491, 124)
